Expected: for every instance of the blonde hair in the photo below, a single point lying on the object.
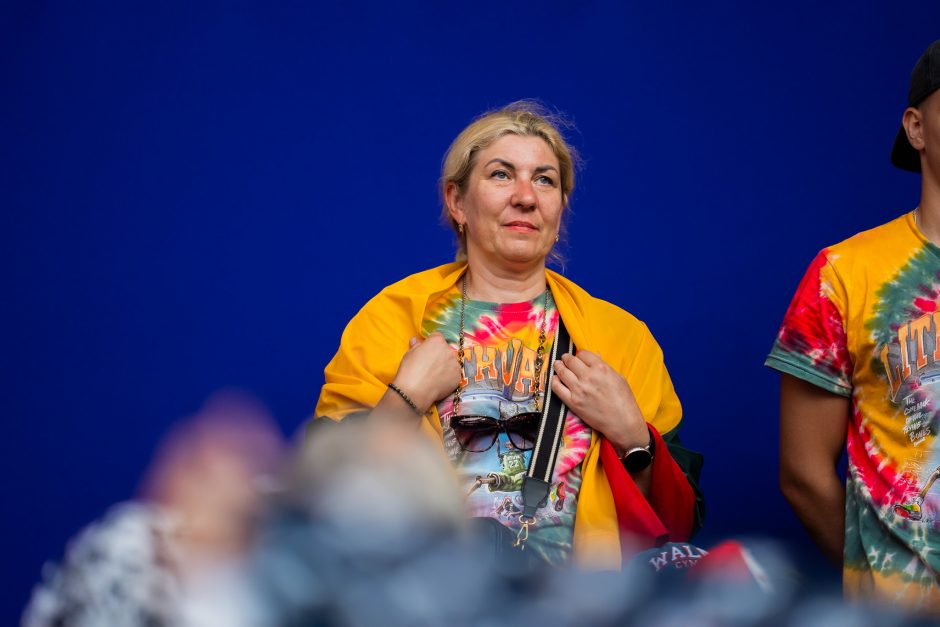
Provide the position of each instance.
(526, 118)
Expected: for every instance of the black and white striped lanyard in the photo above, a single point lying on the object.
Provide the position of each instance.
(538, 478)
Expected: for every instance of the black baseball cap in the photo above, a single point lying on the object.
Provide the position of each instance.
(925, 79)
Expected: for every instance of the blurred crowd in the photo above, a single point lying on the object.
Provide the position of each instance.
(364, 525)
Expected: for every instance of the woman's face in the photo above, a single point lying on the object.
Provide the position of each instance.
(511, 208)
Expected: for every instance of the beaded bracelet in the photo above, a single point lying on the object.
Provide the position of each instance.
(405, 398)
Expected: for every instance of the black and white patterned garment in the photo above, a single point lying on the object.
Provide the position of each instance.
(117, 571)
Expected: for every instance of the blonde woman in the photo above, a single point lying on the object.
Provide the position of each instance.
(461, 347)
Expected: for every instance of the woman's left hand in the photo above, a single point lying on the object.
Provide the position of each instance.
(601, 397)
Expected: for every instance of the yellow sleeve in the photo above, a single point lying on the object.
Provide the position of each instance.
(370, 351)
(627, 345)
(651, 384)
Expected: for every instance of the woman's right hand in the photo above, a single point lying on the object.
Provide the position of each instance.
(429, 371)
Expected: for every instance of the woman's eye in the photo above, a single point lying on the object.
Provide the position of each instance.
(546, 180)
(501, 175)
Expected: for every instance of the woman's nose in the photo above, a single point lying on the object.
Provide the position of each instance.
(524, 194)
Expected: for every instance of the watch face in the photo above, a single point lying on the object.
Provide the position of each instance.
(637, 459)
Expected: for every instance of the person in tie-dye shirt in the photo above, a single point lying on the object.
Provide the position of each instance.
(462, 346)
(859, 353)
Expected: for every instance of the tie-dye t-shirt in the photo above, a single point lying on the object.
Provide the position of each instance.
(500, 344)
(864, 324)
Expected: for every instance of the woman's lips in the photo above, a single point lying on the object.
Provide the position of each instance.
(521, 226)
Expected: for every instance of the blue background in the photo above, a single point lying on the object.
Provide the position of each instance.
(200, 196)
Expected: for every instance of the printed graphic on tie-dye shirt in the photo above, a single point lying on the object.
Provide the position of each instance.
(499, 383)
(907, 356)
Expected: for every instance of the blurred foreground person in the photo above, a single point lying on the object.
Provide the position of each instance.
(367, 528)
(371, 530)
(146, 561)
(859, 353)
(476, 352)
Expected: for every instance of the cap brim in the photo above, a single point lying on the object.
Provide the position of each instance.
(903, 154)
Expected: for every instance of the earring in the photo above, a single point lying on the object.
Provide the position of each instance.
(460, 230)
(557, 237)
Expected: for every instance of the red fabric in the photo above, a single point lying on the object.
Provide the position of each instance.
(668, 514)
(725, 561)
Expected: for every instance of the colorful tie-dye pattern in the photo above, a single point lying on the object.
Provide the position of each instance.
(500, 343)
(864, 324)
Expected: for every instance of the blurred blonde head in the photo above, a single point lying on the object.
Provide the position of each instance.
(375, 475)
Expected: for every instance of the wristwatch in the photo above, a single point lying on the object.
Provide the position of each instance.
(640, 457)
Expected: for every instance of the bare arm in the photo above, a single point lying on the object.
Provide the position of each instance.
(813, 424)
